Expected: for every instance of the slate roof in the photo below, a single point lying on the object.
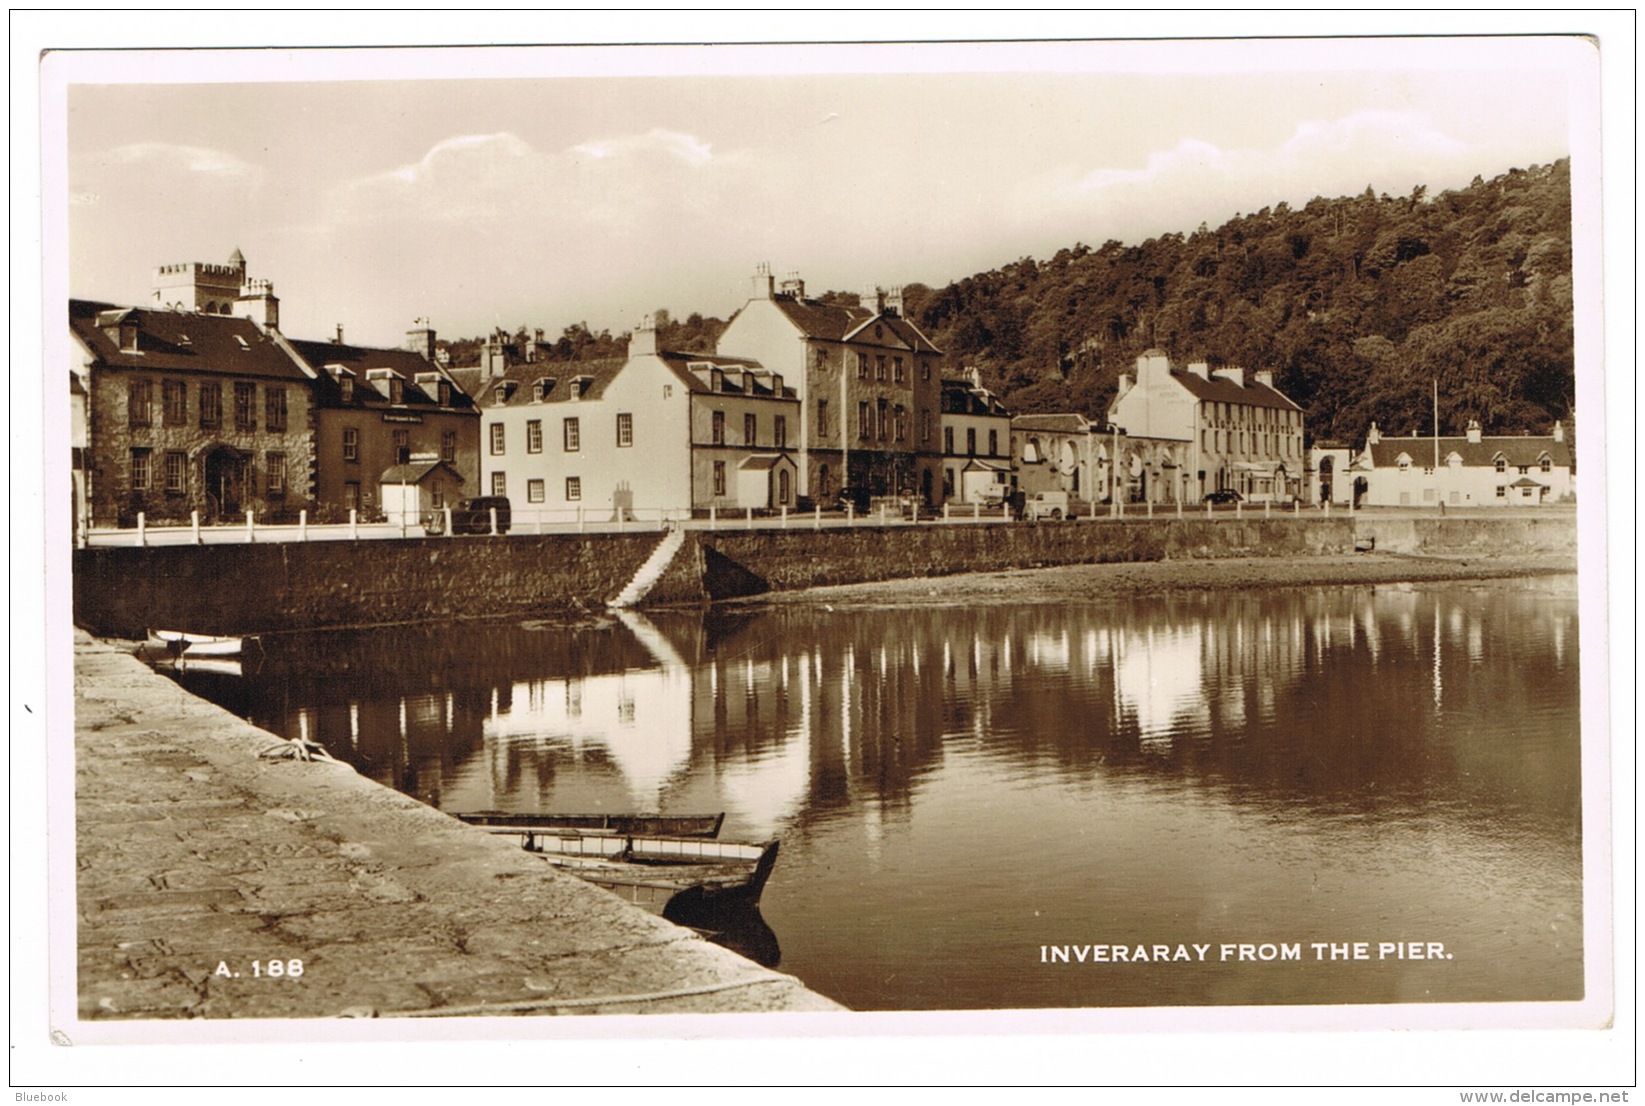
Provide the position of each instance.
(733, 383)
(361, 360)
(415, 471)
(1515, 451)
(1057, 424)
(959, 397)
(597, 376)
(836, 323)
(182, 341)
(1221, 390)
(758, 462)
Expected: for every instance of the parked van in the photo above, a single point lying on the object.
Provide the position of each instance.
(473, 516)
(1048, 505)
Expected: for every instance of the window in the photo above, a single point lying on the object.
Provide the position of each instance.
(719, 477)
(896, 370)
(993, 443)
(539, 389)
(245, 405)
(865, 420)
(139, 470)
(879, 368)
(211, 405)
(925, 370)
(499, 483)
(750, 429)
(899, 423)
(1501, 465)
(175, 398)
(534, 436)
(276, 465)
(573, 488)
(139, 398)
(925, 427)
(534, 492)
(396, 390)
(448, 447)
(862, 366)
(717, 429)
(1546, 465)
(498, 442)
(783, 488)
(970, 441)
(625, 430)
(822, 418)
(346, 383)
(274, 407)
(1502, 491)
(668, 391)
(948, 439)
(402, 447)
(884, 410)
(351, 445)
(573, 435)
(176, 473)
(779, 432)
(444, 390)
(351, 495)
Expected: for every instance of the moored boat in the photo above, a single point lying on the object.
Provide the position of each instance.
(663, 874)
(657, 825)
(179, 643)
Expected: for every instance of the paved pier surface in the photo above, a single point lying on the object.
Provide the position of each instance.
(195, 852)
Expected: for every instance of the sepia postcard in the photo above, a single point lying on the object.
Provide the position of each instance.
(915, 556)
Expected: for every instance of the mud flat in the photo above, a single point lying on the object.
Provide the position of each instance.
(1116, 581)
(203, 864)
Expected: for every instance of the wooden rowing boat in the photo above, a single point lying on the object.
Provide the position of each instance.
(178, 643)
(672, 876)
(655, 825)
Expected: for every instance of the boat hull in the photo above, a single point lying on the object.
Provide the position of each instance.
(673, 876)
(669, 825)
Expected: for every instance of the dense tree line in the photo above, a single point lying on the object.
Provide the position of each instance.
(1358, 305)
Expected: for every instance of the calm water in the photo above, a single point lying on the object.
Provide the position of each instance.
(967, 793)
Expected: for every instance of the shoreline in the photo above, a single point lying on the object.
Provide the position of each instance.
(1119, 580)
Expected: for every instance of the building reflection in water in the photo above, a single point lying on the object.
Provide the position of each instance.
(885, 744)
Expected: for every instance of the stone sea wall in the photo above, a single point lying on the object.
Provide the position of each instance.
(223, 589)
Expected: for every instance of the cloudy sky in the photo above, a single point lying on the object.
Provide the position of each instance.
(487, 188)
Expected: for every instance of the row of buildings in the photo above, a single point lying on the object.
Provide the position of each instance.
(197, 402)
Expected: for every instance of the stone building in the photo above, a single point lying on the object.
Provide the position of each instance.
(376, 409)
(867, 382)
(192, 411)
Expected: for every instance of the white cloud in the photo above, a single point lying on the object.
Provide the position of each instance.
(165, 156)
(683, 147)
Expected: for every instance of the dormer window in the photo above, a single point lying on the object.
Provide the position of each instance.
(445, 393)
(396, 390)
(128, 338)
(346, 383)
(1404, 462)
(1545, 463)
(238, 338)
(540, 388)
(1501, 463)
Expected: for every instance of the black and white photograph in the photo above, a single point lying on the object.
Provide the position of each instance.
(631, 543)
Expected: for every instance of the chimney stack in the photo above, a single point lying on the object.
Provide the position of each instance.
(643, 342)
(1474, 431)
(764, 283)
(420, 339)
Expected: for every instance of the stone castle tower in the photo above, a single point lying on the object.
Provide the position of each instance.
(207, 289)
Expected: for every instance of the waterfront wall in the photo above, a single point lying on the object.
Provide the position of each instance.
(122, 592)
(249, 589)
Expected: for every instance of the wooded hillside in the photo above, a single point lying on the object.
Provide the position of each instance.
(1356, 304)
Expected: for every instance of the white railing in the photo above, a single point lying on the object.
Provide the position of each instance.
(436, 526)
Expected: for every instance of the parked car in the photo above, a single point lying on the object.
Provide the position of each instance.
(1223, 495)
(473, 516)
(1049, 505)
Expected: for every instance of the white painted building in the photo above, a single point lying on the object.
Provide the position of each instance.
(655, 432)
(1470, 471)
(1213, 429)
